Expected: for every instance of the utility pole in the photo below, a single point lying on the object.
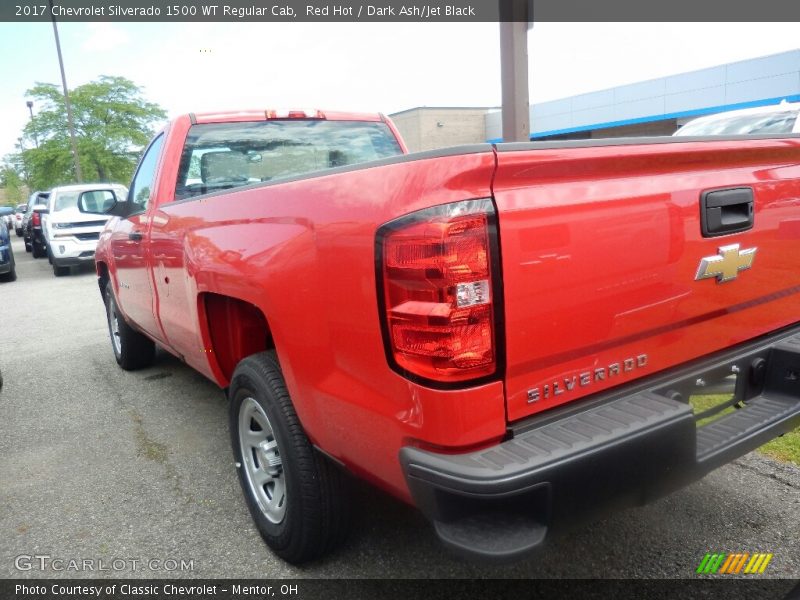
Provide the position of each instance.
(29, 104)
(514, 70)
(70, 122)
(25, 172)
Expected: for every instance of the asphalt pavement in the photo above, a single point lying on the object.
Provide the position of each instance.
(133, 472)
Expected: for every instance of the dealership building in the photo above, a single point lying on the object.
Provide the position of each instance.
(653, 107)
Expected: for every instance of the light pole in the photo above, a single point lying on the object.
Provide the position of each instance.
(29, 104)
(25, 173)
(66, 99)
(514, 69)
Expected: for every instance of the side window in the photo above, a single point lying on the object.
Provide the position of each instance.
(141, 187)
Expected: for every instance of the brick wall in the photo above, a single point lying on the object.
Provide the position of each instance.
(430, 128)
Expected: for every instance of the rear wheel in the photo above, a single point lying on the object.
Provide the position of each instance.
(298, 499)
(132, 350)
(19, 232)
(38, 249)
(28, 247)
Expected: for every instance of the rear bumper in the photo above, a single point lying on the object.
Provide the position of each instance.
(622, 450)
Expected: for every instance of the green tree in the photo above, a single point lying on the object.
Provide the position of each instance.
(113, 122)
(11, 182)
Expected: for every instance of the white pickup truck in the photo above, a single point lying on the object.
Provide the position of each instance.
(772, 119)
(71, 236)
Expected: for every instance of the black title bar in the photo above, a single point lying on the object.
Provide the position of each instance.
(400, 10)
(401, 589)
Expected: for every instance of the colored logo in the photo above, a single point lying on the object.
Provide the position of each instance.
(726, 265)
(734, 564)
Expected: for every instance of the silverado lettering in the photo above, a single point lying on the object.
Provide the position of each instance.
(379, 313)
(586, 378)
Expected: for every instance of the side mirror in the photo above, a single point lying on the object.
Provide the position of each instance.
(41, 209)
(98, 202)
(122, 208)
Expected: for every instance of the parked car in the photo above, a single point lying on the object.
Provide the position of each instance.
(8, 271)
(70, 235)
(7, 216)
(19, 213)
(32, 232)
(505, 336)
(772, 119)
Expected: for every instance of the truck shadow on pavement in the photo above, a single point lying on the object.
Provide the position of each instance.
(733, 509)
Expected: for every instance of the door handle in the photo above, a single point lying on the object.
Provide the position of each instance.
(726, 211)
(135, 236)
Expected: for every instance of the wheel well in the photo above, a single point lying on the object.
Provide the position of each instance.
(102, 277)
(236, 330)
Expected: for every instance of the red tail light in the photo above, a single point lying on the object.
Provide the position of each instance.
(37, 219)
(436, 270)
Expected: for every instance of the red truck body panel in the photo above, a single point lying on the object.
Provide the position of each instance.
(599, 247)
(303, 252)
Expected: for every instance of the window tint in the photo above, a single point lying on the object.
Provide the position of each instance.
(99, 201)
(781, 122)
(65, 200)
(141, 188)
(37, 198)
(220, 156)
(37, 201)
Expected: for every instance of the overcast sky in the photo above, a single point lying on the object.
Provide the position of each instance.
(383, 67)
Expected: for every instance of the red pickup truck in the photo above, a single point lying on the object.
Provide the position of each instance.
(506, 336)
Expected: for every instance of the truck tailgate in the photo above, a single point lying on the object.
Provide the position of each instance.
(602, 245)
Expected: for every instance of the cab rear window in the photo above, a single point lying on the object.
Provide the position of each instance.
(219, 156)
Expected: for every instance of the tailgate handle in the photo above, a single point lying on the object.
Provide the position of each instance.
(135, 236)
(726, 211)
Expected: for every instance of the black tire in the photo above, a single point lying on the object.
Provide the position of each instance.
(12, 274)
(132, 350)
(316, 515)
(19, 232)
(28, 246)
(38, 250)
(59, 271)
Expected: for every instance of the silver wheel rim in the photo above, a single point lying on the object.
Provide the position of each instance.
(261, 460)
(113, 325)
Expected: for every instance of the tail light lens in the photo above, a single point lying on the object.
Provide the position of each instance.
(295, 114)
(439, 302)
(37, 219)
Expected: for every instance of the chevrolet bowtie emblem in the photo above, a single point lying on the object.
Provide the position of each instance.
(726, 265)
